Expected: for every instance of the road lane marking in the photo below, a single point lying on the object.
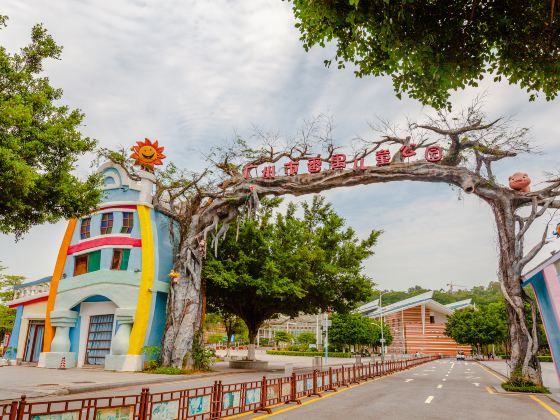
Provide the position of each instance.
(490, 390)
(476, 384)
(444, 379)
(408, 380)
(546, 406)
(446, 375)
(440, 386)
(429, 399)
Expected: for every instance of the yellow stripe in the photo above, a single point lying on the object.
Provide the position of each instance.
(323, 396)
(490, 390)
(57, 274)
(138, 333)
(546, 406)
(501, 378)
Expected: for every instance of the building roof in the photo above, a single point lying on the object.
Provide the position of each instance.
(33, 282)
(373, 310)
(460, 304)
(27, 300)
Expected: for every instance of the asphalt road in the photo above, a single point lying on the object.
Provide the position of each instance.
(444, 389)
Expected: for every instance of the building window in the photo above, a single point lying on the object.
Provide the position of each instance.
(432, 319)
(86, 263)
(120, 259)
(127, 222)
(85, 228)
(106, 223)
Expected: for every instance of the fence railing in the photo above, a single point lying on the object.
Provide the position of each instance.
(209, 402)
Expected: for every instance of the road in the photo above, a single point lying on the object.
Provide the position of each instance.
(444, 389)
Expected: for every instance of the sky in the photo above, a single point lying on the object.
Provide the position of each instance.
(193, 73)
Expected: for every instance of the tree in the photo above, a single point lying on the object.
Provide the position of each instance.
(357, 330)
(39, 142)
(283, 337)
(307, 338)
(7, 315)
(287, 265)
(430, 48)
(478, 327)
(206, 203)
(233, 325)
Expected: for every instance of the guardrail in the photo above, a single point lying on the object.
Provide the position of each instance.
(210, 402)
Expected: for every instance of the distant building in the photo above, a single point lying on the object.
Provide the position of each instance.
(418, 324)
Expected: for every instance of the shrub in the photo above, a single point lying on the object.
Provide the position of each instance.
(544, 358)
(216, 338)
(153, 357)
(522, 385)
(169, 371)
(203, 357)
(308, 353)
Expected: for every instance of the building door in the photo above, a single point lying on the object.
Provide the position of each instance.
(34, 342)
(99, 339)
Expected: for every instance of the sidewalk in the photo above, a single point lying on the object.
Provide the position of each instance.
(550, 378)
(38, 382)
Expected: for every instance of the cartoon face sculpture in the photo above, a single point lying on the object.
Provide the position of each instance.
(147, 154)
(520, 181)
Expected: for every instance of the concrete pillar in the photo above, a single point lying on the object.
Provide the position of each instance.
(119, 359)
(62, 321)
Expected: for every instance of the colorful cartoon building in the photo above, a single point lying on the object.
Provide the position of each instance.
(544, 279)
(108, 292)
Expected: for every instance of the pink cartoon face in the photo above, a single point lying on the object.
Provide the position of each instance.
(519, 181)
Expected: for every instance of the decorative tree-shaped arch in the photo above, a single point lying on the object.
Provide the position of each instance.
(207, 202)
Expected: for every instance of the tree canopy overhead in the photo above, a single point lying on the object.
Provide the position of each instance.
(39, 142)
(431, 47)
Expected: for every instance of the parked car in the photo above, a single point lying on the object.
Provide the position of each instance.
(460, 355)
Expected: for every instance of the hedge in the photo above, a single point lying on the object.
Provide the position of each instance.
(544, 358)
(308, 353)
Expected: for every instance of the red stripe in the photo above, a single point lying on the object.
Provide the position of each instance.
(104, 241)
(122, 206)
(41, 299)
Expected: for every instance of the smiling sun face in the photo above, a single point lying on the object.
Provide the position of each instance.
(147, 154)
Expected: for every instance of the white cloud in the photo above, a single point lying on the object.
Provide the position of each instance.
(189, 73)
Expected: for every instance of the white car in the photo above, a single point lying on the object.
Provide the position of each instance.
(460, 355)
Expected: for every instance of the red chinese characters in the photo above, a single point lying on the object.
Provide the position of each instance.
(383, 157)
(247, 170)
(359, 164)
(338, 161)
(269, 172)
(434, 154)
(291, 168)
(314, 164)
(408, 150)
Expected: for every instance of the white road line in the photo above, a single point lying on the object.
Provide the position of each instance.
(446, 375)
(440, 386)
(429, 399)
(408, 380)
(476, 384)
(444, 379)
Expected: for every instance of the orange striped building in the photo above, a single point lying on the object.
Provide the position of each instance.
(418, 324)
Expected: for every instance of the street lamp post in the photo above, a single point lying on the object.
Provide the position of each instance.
(382, 337)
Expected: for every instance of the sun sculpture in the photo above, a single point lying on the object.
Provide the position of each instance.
(147, 154)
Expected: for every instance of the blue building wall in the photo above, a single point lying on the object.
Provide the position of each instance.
(75, 331)
(15, 333)
(157, 324)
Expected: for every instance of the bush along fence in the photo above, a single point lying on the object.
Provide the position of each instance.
(210, 402)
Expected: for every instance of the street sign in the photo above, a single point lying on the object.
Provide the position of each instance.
(382, 341)
(327, 323)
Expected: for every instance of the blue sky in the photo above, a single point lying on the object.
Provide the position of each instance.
(192, 73)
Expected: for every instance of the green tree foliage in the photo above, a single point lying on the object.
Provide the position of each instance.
(283, 337)
(39, 142)
(357, 330)
(430, 48)
(288, 265)
(478, 327)
(480, 295)
(307, 338)
(7, 315)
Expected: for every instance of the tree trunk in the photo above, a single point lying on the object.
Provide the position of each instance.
(524, 342)
(251, 347)
(184, 311)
